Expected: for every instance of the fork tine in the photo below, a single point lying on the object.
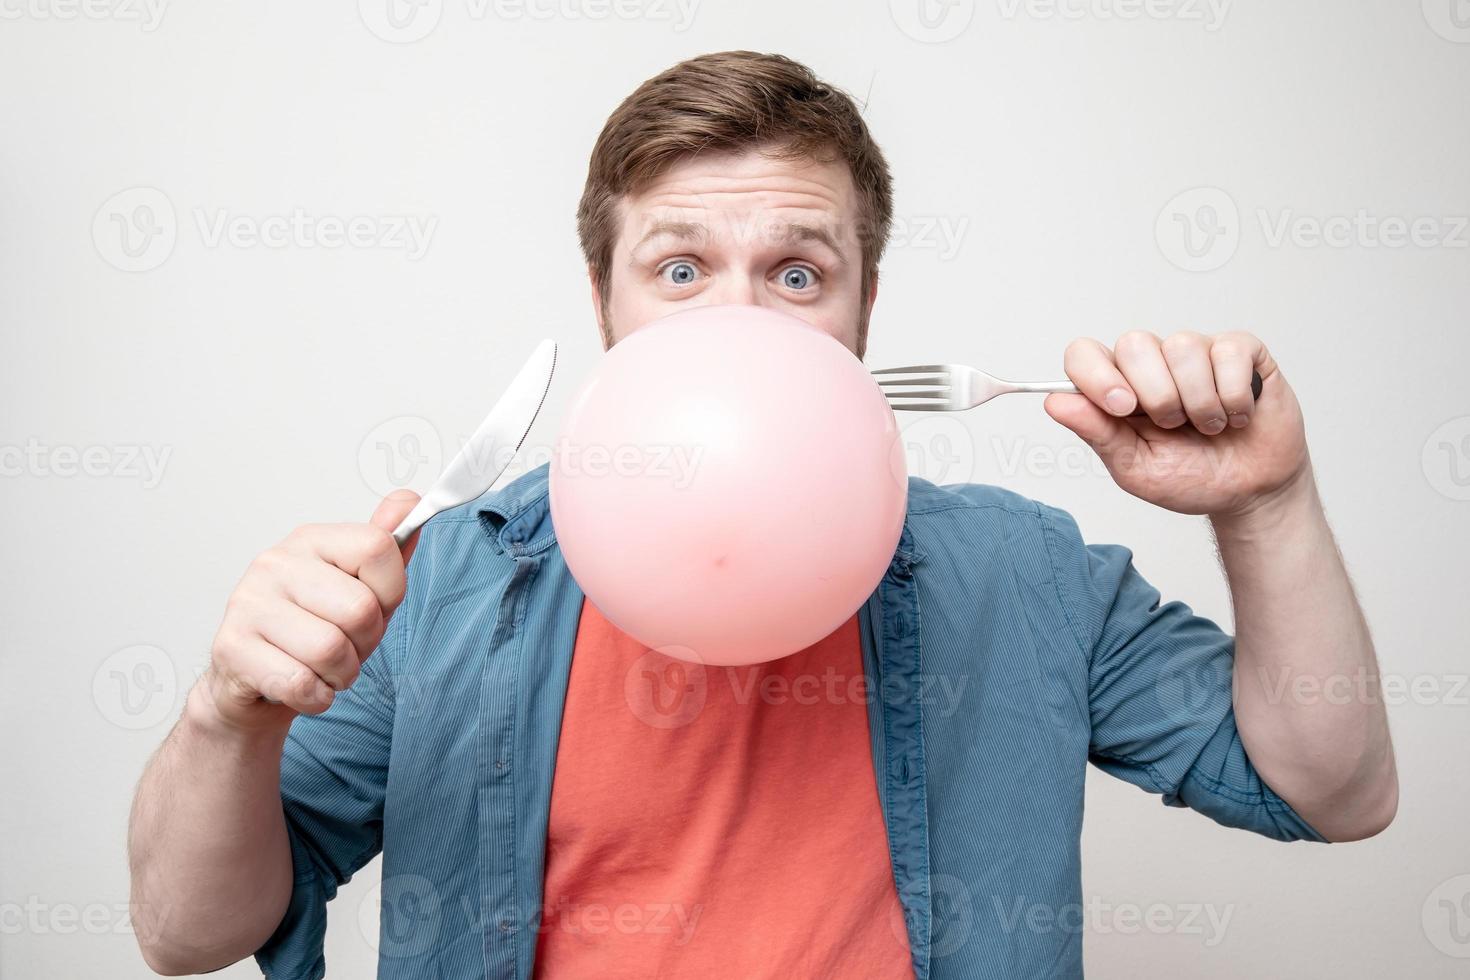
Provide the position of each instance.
(894, 396)
(930, 407)
(933, 379)
(918, 369)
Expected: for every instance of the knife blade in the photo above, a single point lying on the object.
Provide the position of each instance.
(484, 456)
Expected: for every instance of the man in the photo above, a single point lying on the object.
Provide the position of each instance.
(551, 799)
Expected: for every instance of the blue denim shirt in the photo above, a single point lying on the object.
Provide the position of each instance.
(1002, 655)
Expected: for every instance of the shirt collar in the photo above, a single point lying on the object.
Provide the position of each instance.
(517, 517)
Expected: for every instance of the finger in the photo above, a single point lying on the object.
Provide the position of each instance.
(1141, 360)
(1188, 357)
(318, 644)
(331, 594)
(1109, 437)
(260, 668)
(1090, 366)
(392, 509)
(1233, 358)
(364, 551)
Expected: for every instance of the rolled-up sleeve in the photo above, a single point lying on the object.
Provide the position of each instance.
(334, 774)
(1159, 680)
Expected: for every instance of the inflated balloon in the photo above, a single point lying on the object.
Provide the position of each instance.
(729, 486)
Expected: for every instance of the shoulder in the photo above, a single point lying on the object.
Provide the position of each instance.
(984, 506)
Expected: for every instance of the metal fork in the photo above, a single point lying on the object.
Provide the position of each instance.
(957, 387)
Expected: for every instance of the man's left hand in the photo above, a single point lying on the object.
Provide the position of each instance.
(1204, 447)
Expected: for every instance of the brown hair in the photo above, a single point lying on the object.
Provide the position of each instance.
(730, 101)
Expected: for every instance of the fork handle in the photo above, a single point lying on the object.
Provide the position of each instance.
(1067, 387)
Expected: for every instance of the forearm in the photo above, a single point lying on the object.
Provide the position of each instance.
(1307, 701)
(208, 851)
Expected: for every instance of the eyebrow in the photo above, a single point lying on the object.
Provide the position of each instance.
(791, 232)
(691, 231)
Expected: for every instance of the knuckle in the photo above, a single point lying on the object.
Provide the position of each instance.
(267, 564)
(240, 607)
(1084, 350)
(361, 610)
(377, 544)
(320, 650)
(1228, 348)
(1135, 340)
(1180, 345)
(302, 535)
(397, 589)
(349, 673)
(227, 643)
(310, 696)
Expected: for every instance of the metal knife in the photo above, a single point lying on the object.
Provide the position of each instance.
(484, 456)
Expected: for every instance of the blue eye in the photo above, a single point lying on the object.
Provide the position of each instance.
(797, 277)
(680, 273)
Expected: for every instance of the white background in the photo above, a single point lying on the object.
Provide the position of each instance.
(1050, 144)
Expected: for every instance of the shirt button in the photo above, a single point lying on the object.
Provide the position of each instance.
(506, 925)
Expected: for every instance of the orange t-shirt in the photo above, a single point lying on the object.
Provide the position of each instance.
(717, 821)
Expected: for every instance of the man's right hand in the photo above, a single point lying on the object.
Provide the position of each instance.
(302, 620)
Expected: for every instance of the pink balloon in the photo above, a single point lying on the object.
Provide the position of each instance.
(729, 486)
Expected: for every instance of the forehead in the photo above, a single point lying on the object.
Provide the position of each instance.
(712, 188)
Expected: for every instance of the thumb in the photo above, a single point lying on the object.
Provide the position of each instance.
(392, 509)
(1106, 434)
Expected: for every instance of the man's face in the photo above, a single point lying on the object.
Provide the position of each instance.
(741, 228)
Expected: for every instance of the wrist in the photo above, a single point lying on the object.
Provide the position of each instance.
(203, 719)
(1269, 513)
